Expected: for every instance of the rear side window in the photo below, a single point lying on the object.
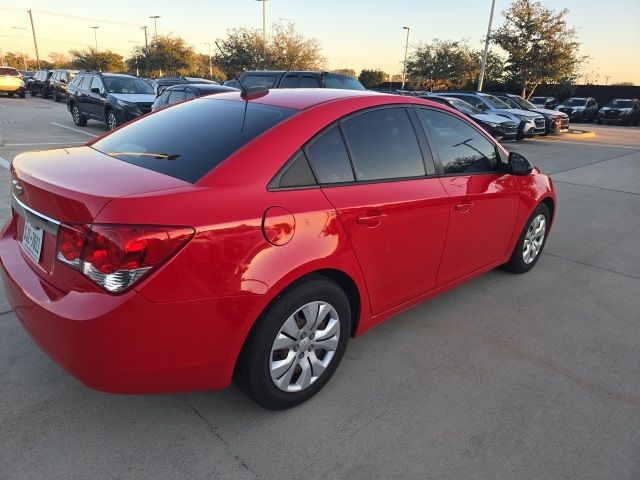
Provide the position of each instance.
(461, 148)
(297, 174)
(383, 145)
(189, 140)
(329, 158)
(176, 96)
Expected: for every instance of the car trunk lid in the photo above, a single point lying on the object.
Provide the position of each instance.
(70, 186)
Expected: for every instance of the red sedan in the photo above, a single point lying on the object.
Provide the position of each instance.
(250, 237)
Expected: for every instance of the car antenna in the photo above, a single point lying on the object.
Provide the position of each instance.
(246, 93)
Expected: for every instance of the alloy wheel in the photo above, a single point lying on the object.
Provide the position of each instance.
(76, 115)
(112, 122)
(534, 238)
(304, 346)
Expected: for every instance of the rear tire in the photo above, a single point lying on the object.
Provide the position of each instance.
(282, 363)
(56, 98)
(78, 119)
(22, 95)
(528, 249)
(10, 94)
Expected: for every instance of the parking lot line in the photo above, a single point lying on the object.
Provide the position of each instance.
(4, 162)
(537, 140)
(74, 129)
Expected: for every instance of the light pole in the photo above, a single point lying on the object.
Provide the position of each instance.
(95, 36)
(406, 51)
(24, 59)
(264, 28)
(483, 66)
(210, 65)
(155, 24)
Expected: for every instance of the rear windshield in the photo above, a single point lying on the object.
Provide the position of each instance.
(9, 71)
(576, 102)
(188, 140)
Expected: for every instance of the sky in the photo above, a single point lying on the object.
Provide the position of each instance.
(354, 33)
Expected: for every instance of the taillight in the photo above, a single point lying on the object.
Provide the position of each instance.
(117, 256)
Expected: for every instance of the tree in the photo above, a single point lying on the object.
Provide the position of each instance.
(243, 49)
(288, 49)
(372, 78)
(90, 59)
(540, 46)
(347, 71)
(59, 60)
(166, 54)
(443, 64)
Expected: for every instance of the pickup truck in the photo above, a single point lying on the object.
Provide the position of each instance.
(299, 79)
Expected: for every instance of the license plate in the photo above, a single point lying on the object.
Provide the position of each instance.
(32, 240)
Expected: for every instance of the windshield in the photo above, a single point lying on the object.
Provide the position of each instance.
(576, 102)
(9, 71)
(510, 101)
(127, 85)
(344, 82)
(496, 102)
(617, 103)
(188, 140)
(522, 103)
(539, 100)
(464, 107)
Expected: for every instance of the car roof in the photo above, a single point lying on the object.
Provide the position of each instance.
(302, 98)
(125, 75)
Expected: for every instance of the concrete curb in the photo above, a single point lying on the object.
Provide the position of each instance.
(582, 133)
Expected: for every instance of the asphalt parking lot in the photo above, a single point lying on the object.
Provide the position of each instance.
(507, 377)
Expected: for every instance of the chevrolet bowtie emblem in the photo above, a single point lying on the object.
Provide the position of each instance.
(17, 188)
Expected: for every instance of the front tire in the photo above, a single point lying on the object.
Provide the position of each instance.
(529, 247)
(296, 345)
(111, 120)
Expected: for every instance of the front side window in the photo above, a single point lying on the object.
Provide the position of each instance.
(266, 81)
(383, 145)
(188, 141)
(462, 149)
(309, 82)
(176, 96)
(329, 158)
(471, 100)
(290, 81)
(96, 83)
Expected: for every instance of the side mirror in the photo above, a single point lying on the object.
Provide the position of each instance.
(519, 164)
(95, 90)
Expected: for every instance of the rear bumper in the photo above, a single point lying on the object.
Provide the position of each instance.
(126, 343)
(12, 89)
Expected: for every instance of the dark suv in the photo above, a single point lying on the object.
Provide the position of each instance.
(620, 110)
(307, 79)
(58, 83)
(579, 108)
(112, 98)
(40, 83)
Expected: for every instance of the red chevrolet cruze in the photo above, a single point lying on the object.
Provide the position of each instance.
(249, 237)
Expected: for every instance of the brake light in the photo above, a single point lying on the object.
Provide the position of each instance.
(115, 257)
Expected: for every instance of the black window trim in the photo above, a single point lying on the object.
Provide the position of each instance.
(431, 159)
(423, 144)
(440, 168)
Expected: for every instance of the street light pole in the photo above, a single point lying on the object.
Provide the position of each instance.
(210, 65)
(35, 42)
(155, 24)
(95, 36)
(264, 28)
(24, 59)
(483, 66)
(406, 51)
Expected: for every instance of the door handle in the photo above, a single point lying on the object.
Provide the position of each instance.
(464, 206)
(371, 219)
